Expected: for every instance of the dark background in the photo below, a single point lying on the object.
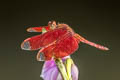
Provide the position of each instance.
(97, 21)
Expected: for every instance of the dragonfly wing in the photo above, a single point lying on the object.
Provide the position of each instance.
(38, 29)
(51, 25)
(32, 43)
(47, 53)
(52, 36)
(65, 46)
(36, 42)
(40, 57)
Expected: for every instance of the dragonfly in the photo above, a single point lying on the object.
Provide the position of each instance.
(56, 41)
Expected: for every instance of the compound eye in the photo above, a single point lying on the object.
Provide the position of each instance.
(52, 24)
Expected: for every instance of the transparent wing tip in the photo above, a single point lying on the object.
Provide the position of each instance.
(106, 48)
(25, 45)
(40, 57)
(30, 30)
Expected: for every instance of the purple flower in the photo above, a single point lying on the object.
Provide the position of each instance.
(50, 71)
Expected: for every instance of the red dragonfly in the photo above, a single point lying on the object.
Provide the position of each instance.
(56, 41)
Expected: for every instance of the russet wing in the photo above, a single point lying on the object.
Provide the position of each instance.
(65, 46)
(38, 29)
(36, 42)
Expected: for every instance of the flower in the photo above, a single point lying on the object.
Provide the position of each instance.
(50, 70)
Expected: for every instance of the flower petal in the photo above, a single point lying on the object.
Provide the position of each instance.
(74, 72)
(51, 72)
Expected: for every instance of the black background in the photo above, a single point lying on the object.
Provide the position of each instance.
(97, 21)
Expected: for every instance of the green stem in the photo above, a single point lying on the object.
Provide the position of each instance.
(68, 64)
(62, 69)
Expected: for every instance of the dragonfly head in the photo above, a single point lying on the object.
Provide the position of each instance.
(52, 24)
